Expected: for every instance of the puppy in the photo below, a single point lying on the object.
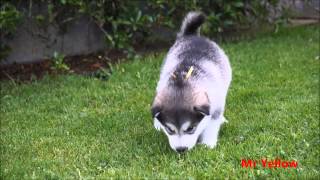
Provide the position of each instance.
(191, 93)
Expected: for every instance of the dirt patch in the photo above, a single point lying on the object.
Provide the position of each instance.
(84, 65)
(96, 65)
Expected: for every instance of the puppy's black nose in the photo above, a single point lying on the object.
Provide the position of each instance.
(181, 149)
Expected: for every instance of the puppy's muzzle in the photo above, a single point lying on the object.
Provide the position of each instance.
(181, 149)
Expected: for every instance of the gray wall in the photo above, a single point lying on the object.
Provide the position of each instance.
(33, 42)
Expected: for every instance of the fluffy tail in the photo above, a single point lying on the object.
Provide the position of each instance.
(191, 24)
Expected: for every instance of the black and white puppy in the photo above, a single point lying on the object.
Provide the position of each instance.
(191, 93)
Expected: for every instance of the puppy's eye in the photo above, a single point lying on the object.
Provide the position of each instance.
(169, 130)
(190, 130)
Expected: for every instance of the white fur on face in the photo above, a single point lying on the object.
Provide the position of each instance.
(157, 124)
(185, 126)
(185, 140)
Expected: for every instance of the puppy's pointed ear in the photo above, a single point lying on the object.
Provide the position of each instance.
(157, 104)
(155, 111)
(202, 109)
(201, 104)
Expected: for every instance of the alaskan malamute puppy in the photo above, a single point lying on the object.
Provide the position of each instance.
(191, 93)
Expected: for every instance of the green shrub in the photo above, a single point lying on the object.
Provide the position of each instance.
(128, 22)
(58, 63)
(9, 18)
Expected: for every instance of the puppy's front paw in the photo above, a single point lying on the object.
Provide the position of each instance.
(157, 125)
(210, 136)
(224, 120)
(210, 144)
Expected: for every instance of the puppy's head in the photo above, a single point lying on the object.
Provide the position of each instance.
(183, 115)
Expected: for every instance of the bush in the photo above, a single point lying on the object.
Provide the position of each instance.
(127, 22)
(9, 18)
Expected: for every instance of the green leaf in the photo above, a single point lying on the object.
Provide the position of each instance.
(138, 16)
(238, 4)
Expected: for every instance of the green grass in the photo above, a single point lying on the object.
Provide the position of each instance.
(71, 126)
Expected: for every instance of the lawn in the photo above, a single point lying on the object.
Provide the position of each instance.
(76, 127)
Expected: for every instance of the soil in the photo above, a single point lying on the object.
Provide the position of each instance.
(77, 64)
(90, 65)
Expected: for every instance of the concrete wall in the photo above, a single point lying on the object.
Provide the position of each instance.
(32, 42)
(306, 8)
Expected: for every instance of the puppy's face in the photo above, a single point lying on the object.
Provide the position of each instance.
(182, 117)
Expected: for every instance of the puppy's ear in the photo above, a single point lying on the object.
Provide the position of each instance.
(155, 111)
(202, 109)
(201, 102)
(157, 104)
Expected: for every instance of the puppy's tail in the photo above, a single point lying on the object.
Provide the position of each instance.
(191, 24)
